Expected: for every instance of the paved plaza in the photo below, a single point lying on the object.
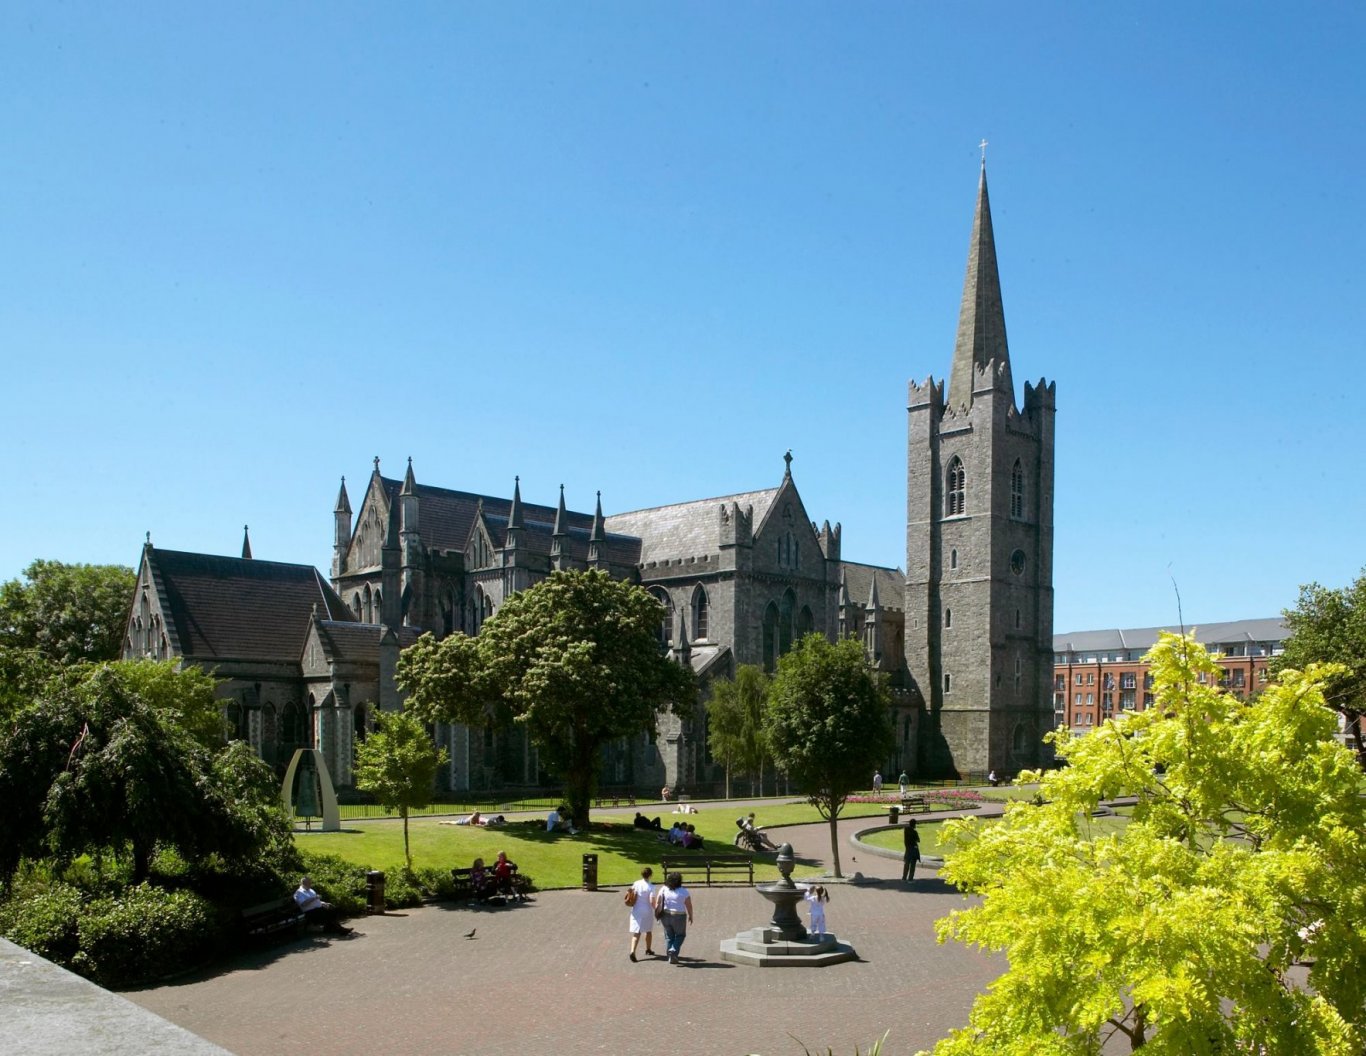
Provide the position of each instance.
(551, 976)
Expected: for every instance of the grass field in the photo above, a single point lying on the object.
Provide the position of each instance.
(556, 859)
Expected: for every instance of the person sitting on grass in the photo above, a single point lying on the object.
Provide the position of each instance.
(558, 820)
(690, 838)
(642, 822)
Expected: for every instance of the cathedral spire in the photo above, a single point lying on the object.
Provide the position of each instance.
(246, 543)
(343, 501)
(515, 519)
(981, 316)
(599, 532)
(560, 515)
(409, 481)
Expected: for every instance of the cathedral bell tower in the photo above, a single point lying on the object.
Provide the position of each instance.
(979, 544)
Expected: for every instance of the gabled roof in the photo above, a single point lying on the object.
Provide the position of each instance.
(686, 529)
(1232, 632)
(359, 642)
(859, 580)
(228, 608)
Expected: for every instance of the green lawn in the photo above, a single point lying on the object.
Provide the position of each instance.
(556, 860)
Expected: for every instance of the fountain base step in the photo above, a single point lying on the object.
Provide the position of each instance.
(767, 948)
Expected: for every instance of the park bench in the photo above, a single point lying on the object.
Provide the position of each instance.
(464, 887)
(709, 865)
(271, 918)
(625, 800)
(914, 803)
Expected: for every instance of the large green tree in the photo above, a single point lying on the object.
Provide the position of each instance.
(398, 764)
(1184, 931)
(575, 661)
(735, 720)
(828, 723)
(101, 764)
(1329, 626)
(68, 613)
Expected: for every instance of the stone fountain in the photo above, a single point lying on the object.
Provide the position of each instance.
(784, 942)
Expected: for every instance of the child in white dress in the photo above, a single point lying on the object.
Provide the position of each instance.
(815, 898)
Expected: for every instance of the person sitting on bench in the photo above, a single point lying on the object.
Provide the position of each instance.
(316, 911)
(755, 838)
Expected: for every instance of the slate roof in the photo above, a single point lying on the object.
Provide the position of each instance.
(229, 608)
(686, 529)
(446, 518)
(1271, 629)
(891, 584)
(359, 642)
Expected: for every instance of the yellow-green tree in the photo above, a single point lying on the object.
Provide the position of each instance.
(1187, 930)
(735, 723)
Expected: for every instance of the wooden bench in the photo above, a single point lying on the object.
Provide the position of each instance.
(271, 918)
(464, 886)
(627, 800)
(711, 864)
(914, 803)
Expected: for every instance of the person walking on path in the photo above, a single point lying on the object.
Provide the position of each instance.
(642, 912)
(673, 904)
(911, 836)
(877, 782)
(903, 781)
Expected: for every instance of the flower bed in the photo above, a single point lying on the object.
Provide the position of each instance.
(949, 798)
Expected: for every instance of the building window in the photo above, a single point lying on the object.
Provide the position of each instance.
(699, 613)
(1126, 699)
(1147, 680)
(1090, 678)
(1127, 680)
(1060, 682)
(1147, 700)
(955, 489)
(1077, 700)
(666, 618)
(953, 559)
(948, 682)
(948, 617)
(1078, 678)
(1017, 619)
(1238, 677)
(1090, 698)
(1017, 491)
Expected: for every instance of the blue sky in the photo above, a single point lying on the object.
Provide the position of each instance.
(647, 248)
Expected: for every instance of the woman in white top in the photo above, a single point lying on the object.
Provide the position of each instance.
(643, 913)
(673, 903)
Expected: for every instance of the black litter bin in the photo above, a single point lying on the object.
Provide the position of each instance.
(374, 890)
(590, 872)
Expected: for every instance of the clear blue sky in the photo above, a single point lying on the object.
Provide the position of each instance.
(647, 248)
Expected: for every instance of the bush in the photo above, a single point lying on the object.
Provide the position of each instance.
(337, 881)
(401, 891)
(46, 922)
(145, 933)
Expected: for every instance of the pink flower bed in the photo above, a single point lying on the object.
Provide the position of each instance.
(956, 798)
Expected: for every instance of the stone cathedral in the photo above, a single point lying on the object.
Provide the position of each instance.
(963, 636)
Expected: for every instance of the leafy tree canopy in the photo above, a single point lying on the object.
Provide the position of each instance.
(68, 613)
(398, 763)
(828, 723)
(575, 660)
(735, 714)
(95, 766)
(1179, 932)
(1329, 626)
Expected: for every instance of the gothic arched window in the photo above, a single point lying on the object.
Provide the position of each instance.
(770, 637)
(367, 610)
(666, 618)
(955, 489)
(948, 617)
(806, 623)
(1017, 491)
(700, 605)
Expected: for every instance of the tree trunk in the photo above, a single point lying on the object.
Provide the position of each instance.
(728, 779)
(835, 844)
(142, 859)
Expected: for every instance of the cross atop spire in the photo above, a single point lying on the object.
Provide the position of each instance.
(787, 462)
(983, 145)
(246, 543)
(981, 316)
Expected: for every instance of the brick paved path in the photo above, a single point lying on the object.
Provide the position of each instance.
(552, 977)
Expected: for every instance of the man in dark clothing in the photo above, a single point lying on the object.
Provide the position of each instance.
(911, 836)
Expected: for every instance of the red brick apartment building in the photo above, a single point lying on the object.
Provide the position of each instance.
(1097, 674)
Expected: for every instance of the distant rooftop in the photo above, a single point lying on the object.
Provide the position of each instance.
(1269, 630)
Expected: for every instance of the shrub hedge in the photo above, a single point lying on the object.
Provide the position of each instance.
(145, 933)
